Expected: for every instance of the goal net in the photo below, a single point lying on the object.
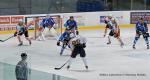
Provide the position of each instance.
(34, 25)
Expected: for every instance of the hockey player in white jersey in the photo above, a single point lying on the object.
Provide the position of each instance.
(112, 24)
(78, 44)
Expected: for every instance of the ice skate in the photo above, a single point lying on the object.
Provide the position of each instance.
(147, 46)
(86, 67)
(20, 44)
(133, 47)
(108, 43)
(68, 67)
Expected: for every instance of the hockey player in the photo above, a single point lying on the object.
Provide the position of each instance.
(77, 46)
(64, 38)
(22, 29)
(43, 23)
(114, 30)
(47, 22)
(50, 22)
(141, 29)
(38, 29)
(71, 24)
(40, 35)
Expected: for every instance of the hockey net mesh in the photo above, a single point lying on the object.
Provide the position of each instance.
(34, 27)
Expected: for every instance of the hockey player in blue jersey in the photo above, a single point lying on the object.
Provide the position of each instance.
(50, 22)
(65, 38)
(47, 22)
(141, 29)
(71, 24)
(43, 23)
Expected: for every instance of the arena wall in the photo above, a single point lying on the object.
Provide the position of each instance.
(85, 20)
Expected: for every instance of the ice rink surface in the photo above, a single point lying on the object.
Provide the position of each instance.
(106, 62)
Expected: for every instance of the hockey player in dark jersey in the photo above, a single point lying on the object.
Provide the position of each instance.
(141, 29)
(77, 45)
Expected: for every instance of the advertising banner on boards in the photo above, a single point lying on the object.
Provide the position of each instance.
(134, 16)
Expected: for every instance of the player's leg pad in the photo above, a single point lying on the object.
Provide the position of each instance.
(136, 39)
(117, 34)
(146, 39)
(62, 49)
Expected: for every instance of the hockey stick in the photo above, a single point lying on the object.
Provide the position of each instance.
(65, 48)
(7, 38)
(1, 41)
(61, 66)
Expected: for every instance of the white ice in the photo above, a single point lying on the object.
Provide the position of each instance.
(102, 58)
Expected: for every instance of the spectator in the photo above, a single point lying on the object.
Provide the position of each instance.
(22, 70)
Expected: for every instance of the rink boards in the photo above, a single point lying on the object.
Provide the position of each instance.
(85, 20)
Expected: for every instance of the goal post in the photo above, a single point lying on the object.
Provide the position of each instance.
(58, 23)
(36, 26)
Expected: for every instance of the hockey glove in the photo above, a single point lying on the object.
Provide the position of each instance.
(105, 21)
(84, 45)
(58, 43)
(15, 34)
(77, 32)
(65, 42)
(140, 33)
(146, 34)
